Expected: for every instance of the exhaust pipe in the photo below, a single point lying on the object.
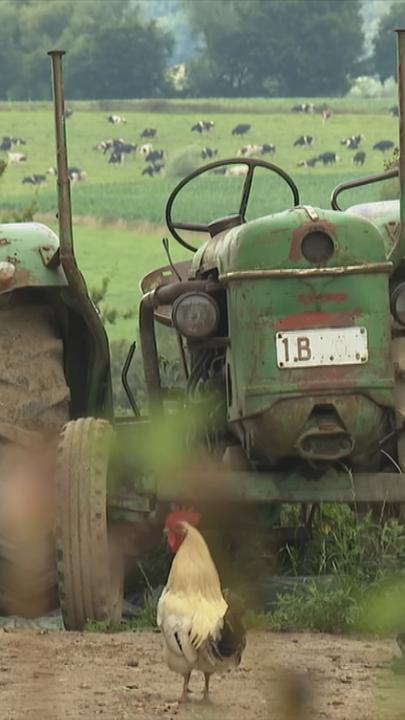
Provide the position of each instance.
(99, 392)
(401, 164)
(64, 201)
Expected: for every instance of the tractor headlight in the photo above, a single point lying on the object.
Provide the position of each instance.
(195, 315)
(398, 303)
(317, 247)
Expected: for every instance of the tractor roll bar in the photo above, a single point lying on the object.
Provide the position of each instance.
(162, 295)
(64, 199)
(401, 93)
(99, 382)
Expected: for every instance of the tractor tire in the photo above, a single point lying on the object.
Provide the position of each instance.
(89, 565)
(34, 407)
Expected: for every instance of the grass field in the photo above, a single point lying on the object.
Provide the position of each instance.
(112, 194)
(112, 191)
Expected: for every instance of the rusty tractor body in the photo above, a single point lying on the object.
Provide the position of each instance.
(291, 330)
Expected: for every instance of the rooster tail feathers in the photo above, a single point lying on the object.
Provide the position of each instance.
(232, 638)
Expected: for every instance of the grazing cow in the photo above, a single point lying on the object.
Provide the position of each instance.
(310, 162)
(8, 141)
(146, 149)
(352, 142)
(203, 126)
(383, 145)
(303, 108)
(267, 149)
(251, 150)
(76, 174)
(241, 129)
(6, 144)
(34, 180)
(148, 133)
(237, 170)
(104, 145)
(117, 144)
(359, 157)
(394, 111)
(125, 148)
(116, 158)
(154, 155)
(208, 153)
(116, 120)
(15, 140)
(152, 170)
(328, 158)
(304, 141)
(15, 158)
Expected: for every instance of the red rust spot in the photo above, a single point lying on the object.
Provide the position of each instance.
(330, 378)
(4, 241)
(311, 320)
(298, 234)
(326, 297)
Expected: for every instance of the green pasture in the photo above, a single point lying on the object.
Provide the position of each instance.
(133, 205)
(111, 191)
(124, 255)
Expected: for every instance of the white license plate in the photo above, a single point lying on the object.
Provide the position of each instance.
(329, 346)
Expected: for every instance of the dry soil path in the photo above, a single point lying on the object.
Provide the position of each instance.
(62, 676)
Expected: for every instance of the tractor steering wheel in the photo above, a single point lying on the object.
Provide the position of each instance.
(239, 218)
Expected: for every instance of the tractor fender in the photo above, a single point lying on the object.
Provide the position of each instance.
(29, 257)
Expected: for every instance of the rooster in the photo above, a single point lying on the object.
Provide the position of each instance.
(200, 630)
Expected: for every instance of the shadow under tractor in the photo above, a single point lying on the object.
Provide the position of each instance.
(291, 330)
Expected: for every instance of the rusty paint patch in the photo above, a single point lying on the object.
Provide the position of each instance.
(300, 232)
(310, 298)
(317, 320)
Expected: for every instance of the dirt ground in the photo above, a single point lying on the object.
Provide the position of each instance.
(56, 675)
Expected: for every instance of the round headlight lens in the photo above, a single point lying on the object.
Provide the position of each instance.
(195, 315)
(317, 247)
(398, 303)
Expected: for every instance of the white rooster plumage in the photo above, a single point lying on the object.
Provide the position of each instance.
(200, 630)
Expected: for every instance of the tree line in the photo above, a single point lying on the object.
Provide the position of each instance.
(255, 48)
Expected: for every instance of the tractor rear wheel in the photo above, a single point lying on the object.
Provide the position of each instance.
(89, 564)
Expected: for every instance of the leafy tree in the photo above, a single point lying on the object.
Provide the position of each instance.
(385, 61)
(122, 61)
(285, 47)
(100, 38)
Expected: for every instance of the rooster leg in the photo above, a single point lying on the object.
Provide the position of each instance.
(206, 687)
(184, 695)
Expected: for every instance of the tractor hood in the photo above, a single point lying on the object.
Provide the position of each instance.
(28, 257)
(363, 234)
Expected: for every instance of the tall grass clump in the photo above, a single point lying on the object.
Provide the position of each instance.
(353, 560)
(184, 161)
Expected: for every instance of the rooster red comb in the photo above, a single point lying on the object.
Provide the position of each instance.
(182, 514)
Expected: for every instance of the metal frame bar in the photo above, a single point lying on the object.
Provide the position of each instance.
(385, 267)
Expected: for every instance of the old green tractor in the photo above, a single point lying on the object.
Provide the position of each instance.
(293, 325)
